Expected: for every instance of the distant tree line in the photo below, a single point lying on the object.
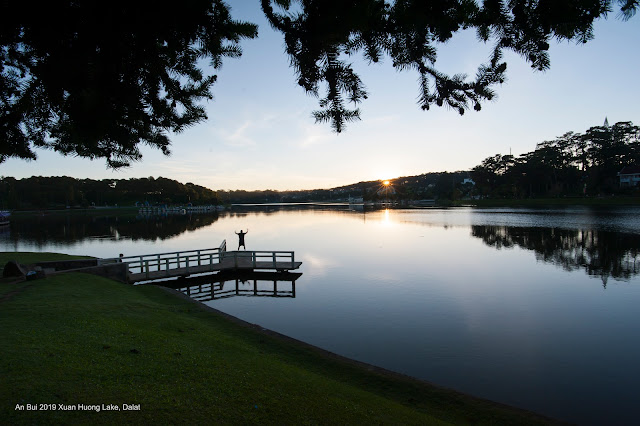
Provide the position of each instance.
(571, 165)
(425, 186)
(44, 192)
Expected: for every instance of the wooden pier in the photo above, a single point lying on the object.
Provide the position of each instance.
(185, 263)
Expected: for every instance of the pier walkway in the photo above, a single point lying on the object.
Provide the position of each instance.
(185, 263)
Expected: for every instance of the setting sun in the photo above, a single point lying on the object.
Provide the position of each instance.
(386, 183)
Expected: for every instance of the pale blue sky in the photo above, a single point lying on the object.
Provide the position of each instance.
(260, 133)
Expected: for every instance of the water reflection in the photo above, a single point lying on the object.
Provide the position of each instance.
(598, 242)
(224, 285)
(418, 292)
(72, 228)
(600, 253)
(77, 227)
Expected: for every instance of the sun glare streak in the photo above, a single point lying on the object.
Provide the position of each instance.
(386, 218)
(385, 189)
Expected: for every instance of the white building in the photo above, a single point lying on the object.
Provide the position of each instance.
(629, 176)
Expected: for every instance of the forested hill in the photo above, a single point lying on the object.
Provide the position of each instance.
(573, 164)
(61, 191)
(426, 185)
(51, 192)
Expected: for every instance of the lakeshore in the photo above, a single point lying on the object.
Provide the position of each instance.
(545, 202)
(77, 339)
(130, 210)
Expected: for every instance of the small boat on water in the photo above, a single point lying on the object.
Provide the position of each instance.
(4, 217)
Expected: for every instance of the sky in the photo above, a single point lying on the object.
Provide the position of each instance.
(260, 133)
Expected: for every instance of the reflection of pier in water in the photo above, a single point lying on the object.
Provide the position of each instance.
(228, 284)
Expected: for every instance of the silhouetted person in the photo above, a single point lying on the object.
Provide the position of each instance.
(241, 238)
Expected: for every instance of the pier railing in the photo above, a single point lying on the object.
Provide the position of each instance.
(257, 259)
(172, 260)
(184, 263)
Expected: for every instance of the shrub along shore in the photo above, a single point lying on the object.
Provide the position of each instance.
(78, 348)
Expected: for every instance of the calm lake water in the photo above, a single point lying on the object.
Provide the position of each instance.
(536, 308)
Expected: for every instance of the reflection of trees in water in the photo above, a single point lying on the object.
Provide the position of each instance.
(602, 254)
(76, 228)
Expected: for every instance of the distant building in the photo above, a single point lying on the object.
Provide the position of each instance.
(629, 176)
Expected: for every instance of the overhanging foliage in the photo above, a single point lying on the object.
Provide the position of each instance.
(97, 80)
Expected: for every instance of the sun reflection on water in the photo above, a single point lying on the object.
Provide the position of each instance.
(386, 219)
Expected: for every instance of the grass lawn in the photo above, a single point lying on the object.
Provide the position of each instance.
(80, 339)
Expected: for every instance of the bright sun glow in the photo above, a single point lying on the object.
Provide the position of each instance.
(386, 183)
(386, 219)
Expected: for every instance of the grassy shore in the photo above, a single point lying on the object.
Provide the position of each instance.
(79, 339)
(28, 257)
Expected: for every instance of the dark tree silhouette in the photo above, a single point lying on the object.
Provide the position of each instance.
(96, 80)
(572, 164)
(61, 191)
(321, 35)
